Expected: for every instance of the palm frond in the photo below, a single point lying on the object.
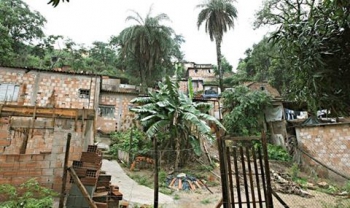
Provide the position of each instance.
(142, 110)
(156, 127)
(138, 18)
(211, 119)
(201, 125)
(141, 100)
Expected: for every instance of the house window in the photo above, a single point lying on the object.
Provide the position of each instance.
(106, 111)
(9, 92)
(84, 93)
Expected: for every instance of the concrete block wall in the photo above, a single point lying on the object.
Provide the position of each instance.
(17, 169)
(48, 89)
(47, 166)
(63, 92)
(121, 121)
(329, 144)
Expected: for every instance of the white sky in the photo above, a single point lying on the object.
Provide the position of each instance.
(86, 21)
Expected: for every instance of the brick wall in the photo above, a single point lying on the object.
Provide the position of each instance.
(122, 118)
(183, 85)
(329, 144)
(48, 89)
(45, 150)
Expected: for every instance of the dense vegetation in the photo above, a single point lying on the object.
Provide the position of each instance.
(307, 56)
(24, 44)
(175, 120)
(27, 195)
(244, 111)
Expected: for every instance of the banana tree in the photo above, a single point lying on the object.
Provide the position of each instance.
(169, 110)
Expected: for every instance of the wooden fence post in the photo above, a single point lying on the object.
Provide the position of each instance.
(64, 177)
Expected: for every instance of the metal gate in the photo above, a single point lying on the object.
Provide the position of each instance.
(245, 172)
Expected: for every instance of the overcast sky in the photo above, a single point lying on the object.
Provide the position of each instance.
(86, 21)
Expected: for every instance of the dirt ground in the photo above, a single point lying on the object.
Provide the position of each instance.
(138, 194)
(184, 199)
(203, 198)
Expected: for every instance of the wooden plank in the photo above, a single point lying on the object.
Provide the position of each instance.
(82, 188)
(64, 177)
(29, 111)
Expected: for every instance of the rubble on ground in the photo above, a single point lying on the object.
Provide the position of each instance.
(283, 183)
(183, 181)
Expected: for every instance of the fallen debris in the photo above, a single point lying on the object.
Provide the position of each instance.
(184, 182)
(283, 184)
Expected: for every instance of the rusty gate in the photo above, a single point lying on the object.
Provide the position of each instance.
(245, 172)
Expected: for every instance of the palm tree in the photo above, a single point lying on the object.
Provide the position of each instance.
(218, 16)
(148, 43)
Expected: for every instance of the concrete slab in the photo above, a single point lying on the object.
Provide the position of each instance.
(132, 191)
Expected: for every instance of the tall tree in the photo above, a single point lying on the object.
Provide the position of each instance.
(264, 63)
(149, 44)
(56, 2)
(218, 16)
(19, 28)
(314, 37)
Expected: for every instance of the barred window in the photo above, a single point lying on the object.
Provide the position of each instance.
(9, 92)
(106, 111)
(84, 93)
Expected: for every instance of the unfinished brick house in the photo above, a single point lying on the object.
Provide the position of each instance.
(39, 108)
(202, 75)
(203, 79)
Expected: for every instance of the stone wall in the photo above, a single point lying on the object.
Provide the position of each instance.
(329, 144)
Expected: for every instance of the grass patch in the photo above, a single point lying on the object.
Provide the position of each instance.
(166, 190)
(142, 180)
(205, 201)
(176, 197)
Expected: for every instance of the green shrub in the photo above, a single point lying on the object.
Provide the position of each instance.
(276, 152)
(206, 201)
(28, 195)
(176, 197)
(162, 177)
(140, 144)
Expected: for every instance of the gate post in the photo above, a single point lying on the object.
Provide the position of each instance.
(224, 173)
(267, 171)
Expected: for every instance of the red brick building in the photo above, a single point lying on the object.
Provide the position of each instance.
(39, 108)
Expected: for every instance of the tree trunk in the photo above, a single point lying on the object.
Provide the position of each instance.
(218, 57)
(143, 87)
(177, 151)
